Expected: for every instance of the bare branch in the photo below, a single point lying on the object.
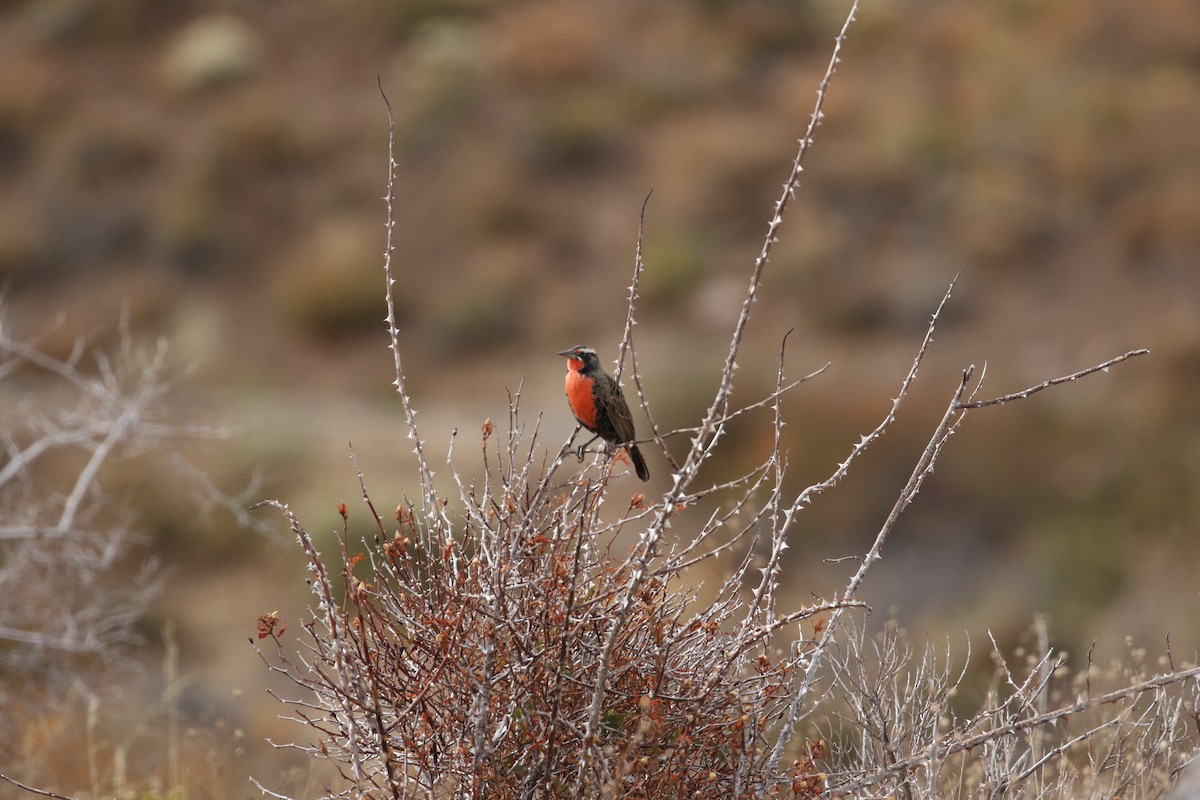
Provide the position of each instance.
(34, 790)
(1021, 395)
(429, 495)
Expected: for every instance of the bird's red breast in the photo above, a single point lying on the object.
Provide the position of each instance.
(580, 394)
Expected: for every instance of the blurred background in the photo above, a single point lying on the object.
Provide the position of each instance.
(216, 170)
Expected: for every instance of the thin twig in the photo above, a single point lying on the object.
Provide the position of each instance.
(631, 307)
(429, 495)
(33, 789)
(1021, 395)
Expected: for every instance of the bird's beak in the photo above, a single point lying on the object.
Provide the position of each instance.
(569, 352)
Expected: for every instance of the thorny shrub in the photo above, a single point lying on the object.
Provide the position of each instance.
(528, 634)
(474, 643)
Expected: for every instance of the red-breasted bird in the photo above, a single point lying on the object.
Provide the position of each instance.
(599, 405)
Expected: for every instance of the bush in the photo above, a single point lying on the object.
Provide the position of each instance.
(534, 635)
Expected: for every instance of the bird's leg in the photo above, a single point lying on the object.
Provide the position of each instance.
(579, 450)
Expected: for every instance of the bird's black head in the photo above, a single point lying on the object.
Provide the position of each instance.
(581, 358)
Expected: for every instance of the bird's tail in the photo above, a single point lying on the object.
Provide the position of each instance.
(639, 463)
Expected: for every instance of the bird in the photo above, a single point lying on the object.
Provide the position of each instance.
(599, 405)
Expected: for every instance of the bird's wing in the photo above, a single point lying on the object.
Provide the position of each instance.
(618, 411)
